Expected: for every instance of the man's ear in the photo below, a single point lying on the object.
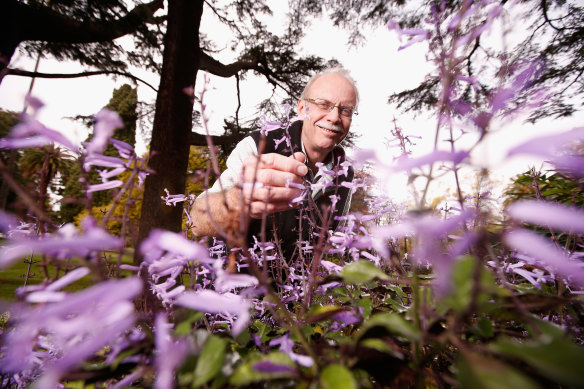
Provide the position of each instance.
(301, 106)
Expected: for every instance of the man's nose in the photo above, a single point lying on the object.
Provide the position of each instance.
(334, 115)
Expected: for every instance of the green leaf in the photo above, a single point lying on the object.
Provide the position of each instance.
(337, 377)
(551, 354)
(210, 361)
(185, 327)
(365, 303)
(479, 372)
(393, 323)
(362, 271)
(322, 312)
(246, 375)
(381, 346)
(262, 330)
(462, 285)
(483, 328)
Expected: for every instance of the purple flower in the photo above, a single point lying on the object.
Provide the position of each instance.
(431, 245)
(54, 338)
(287, 347)
(346, 318)
(433, 157)
(7, 222)
(49, 292)
(32, 133)
(169, 353)
(553, 215)
(546, 254)
(124, 149)
(213, 302)
(160, 241)
(105, 186)
(106, 122)
(550, 145)
(66, 243)
(102, 160)
(174, 199)
(267, 126)
(226, 282)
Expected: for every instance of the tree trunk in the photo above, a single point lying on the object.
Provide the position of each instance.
(169, 147)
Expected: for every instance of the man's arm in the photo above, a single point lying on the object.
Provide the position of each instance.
(264, 186)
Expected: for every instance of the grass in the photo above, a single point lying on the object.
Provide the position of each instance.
(13, 277)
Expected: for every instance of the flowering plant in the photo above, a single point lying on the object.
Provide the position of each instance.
(394, 298)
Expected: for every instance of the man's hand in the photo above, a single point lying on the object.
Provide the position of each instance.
(267, 188)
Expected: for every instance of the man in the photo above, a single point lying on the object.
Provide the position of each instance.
(267, 184)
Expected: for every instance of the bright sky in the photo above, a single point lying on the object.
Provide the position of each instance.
(378, 67)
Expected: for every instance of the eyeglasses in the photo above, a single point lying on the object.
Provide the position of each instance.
(328, 106)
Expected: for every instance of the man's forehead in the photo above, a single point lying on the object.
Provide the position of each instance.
(334, 85)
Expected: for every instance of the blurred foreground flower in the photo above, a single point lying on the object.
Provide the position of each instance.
(45, 342)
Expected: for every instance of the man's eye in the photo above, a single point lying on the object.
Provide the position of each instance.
(324, 106)
(347, 111)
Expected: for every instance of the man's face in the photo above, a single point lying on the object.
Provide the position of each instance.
(325, 129)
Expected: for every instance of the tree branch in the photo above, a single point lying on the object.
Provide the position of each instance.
(25, 22)
(211, 65)
(26, 73)
(545, 15)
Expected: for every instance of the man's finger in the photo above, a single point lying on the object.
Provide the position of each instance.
(278, 162)
(300, 157)
(271, 194)
(258, 208)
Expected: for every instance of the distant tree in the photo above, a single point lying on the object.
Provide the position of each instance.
(123, 219)
(124, 101)
(85, 31)
(72, 196)
(8, 119)
(551, 186)
(42, 168)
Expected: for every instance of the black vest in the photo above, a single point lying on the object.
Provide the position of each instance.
(314, 216)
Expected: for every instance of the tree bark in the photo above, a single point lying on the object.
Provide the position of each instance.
(169, 146)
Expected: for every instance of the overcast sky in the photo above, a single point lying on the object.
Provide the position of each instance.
(378, 67)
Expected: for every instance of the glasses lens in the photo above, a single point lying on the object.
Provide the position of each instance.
(326, 105)
(346, 111)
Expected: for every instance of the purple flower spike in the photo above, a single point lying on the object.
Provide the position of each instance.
(547, 254)
(553, 215)
(161, 241)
